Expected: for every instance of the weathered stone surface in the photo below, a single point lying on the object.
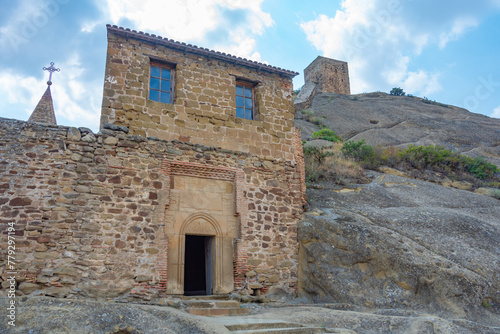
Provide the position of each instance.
(84, 130)
(143, 278)
(110, 140)
(74, 134)
(115, 127)
(105, 289)
(205, 93)
(89, 138)
(46, 255)
(28, 288)
(403, 120)
(92, 207)
(20, 201)
(414, 245)
(52, 315)
(341, 318)
(70, 271)
(58, 292)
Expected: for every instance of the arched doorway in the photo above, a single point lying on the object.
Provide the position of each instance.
(201, 255)
(198, 265)
(200, 227)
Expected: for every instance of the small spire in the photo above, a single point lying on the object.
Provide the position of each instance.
(44, 111)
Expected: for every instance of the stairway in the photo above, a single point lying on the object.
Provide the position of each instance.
(214, 308)
(273, 327)
(230, 314)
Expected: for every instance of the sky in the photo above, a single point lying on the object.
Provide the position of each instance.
(444, 50)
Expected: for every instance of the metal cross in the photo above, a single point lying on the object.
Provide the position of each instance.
(51, 70)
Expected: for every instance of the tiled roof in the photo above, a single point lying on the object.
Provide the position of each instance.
(199, 50)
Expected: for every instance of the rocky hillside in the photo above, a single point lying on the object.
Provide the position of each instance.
(400, 243)
(397, 243)
(385, 120)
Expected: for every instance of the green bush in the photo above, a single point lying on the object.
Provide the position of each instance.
(480, 168)
(317, 154)
(320, 122)
(439, 159)
(326, 134)
(307, 112)
(397, 92)
(361, 152)
(422, 157)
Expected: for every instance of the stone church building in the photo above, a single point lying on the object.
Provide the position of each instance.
(194, 184)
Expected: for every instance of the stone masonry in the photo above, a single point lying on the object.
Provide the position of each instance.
(203, 111)
(323, 75)
(107, 215)
(44, 111)
(329, 75)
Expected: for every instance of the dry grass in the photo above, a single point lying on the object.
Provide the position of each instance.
(336, 168)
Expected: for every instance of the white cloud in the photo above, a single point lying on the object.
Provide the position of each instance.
(423, 82)
(379, 39)
(458, 28)
(25, 22)
(496, 112)
(73, 101)
(192, 20)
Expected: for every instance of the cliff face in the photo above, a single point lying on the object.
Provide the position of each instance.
(397, 242)
(402, 243)
(382, 119)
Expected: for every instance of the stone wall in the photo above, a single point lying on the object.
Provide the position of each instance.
(329, 75)
(203, 110)
(323, 75)
(90, 210)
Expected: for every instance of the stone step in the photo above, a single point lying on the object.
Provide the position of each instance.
(207, 297)
(262, 325)
(211, 303)
(273, 327)
(217, 312)
(294, 330)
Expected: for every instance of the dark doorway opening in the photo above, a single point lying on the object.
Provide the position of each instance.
(198, 265)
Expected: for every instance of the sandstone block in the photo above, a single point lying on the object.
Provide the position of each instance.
(70, 271)
(143, 278)
(58, 292)
(89, 138)
(28, 288)
(74, 134)
(110, 141)
(255, 286)
(45, 255)
(20, 201)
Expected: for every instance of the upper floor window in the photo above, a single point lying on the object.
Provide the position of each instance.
(161, 82)
(245, 100)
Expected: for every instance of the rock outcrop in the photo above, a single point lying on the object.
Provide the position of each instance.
(43, 315)
(382, 119)
(403, 243)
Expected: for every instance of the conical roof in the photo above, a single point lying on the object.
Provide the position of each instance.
(44, 111)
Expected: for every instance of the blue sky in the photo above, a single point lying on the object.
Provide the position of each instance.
(445, 50)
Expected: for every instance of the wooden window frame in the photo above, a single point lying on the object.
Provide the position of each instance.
(252, 85)
(163, 66)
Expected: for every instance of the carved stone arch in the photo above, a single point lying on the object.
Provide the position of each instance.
(204, 224)
(201, 224)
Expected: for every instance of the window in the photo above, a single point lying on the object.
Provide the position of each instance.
(161, 82)
(245, 100)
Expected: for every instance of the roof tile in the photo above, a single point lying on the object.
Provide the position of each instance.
(200, 50)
